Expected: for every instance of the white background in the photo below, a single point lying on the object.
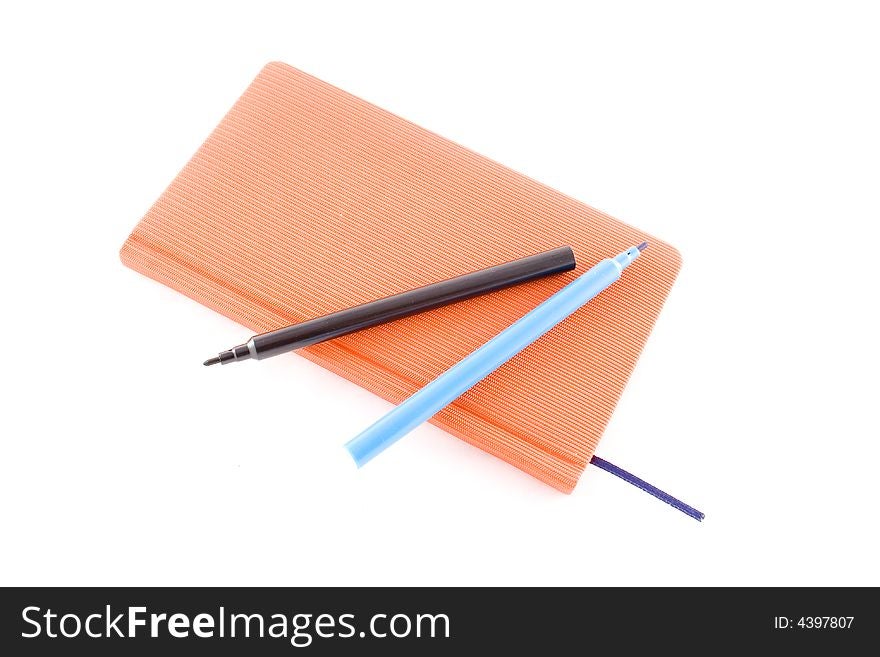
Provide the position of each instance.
(746, 135)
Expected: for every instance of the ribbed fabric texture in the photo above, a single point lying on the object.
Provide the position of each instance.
(306, 200)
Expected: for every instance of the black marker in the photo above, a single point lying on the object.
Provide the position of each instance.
(400, 305)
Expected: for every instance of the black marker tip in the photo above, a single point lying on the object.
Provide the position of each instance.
(212, 361)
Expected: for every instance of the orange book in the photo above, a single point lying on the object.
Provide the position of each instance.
(306, 200)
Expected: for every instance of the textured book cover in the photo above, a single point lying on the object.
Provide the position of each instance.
(306, 200)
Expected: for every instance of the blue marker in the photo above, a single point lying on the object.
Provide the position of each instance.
(458, 379)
